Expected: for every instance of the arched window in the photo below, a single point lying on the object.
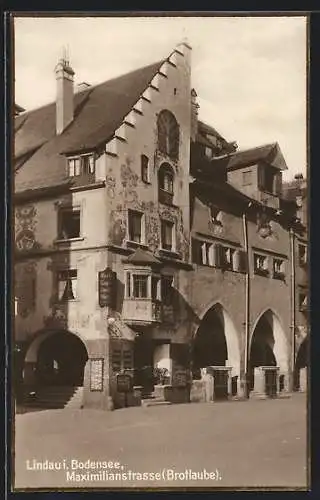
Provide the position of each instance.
(168, 134)
(165, 183)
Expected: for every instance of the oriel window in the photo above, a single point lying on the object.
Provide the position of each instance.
(140, 286)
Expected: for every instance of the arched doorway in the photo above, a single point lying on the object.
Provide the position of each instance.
(268, 348)
(55, 358)
(301, 366)
(216, 344)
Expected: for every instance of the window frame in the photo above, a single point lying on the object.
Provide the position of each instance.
(244, 181)
(278, 273)
(168, 134)
(132, 213)
(61, 213)
(261, 270)
(166, 176)
(303, 259)
(168, 224)
(77, 165)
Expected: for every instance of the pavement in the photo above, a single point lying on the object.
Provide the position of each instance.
(240, 444)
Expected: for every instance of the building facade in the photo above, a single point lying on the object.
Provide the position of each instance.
(146, 242)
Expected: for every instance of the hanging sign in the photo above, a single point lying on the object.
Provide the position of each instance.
(107, 287)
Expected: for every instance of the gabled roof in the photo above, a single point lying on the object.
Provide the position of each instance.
(98, 112)
(269, 153)
(141, 256)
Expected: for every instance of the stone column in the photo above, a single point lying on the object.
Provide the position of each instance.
(259, 388)
(303, 379)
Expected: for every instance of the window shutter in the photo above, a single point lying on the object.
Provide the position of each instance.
(218, 255)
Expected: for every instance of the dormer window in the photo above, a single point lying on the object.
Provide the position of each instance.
(81, 165)
(168, 134)
(166, 182)
(270, 179)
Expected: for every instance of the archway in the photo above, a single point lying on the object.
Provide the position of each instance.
(268, 347)
(301, 365)
(55, 358)
(216, 343)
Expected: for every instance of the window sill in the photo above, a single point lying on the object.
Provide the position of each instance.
(261, 272)
(135, 244)
(279, 276)
(68, 240)
(61, 303)
(169, 253)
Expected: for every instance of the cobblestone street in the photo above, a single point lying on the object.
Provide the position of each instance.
(233, 444)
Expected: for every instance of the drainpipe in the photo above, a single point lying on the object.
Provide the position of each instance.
(292, 304)
(247, 302)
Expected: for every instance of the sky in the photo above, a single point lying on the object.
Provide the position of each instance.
(249, 72)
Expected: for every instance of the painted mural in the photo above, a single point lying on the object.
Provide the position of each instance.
(25, 287)
(25, 228)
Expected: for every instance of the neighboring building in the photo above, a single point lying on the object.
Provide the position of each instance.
(145, 239)
(297, 191)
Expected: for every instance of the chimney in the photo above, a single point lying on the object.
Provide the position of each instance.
(64, 99)
(194, 115)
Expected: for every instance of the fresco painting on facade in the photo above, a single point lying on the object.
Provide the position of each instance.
(158, 198)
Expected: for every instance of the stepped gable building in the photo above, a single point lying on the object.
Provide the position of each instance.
(146, 243)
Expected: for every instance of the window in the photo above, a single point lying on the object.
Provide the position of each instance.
(247, 178)
(81, 165)
(167, 235)
(88, 164)
(67, 285)
(270, 179)
(226, 259)
(214, 214)
(167, 290)
(74, 167)
(69, 224)
(140, 286)
(165, 182)
(303, 301)
(302, 255)
(135, 226)
(155, 288)
(261, 265)
(168, 134)
(144, 168)
(278, 269)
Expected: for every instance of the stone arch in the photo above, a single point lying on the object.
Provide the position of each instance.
(268, 348)
(232, 344)
(275, 337)
(62, 352)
